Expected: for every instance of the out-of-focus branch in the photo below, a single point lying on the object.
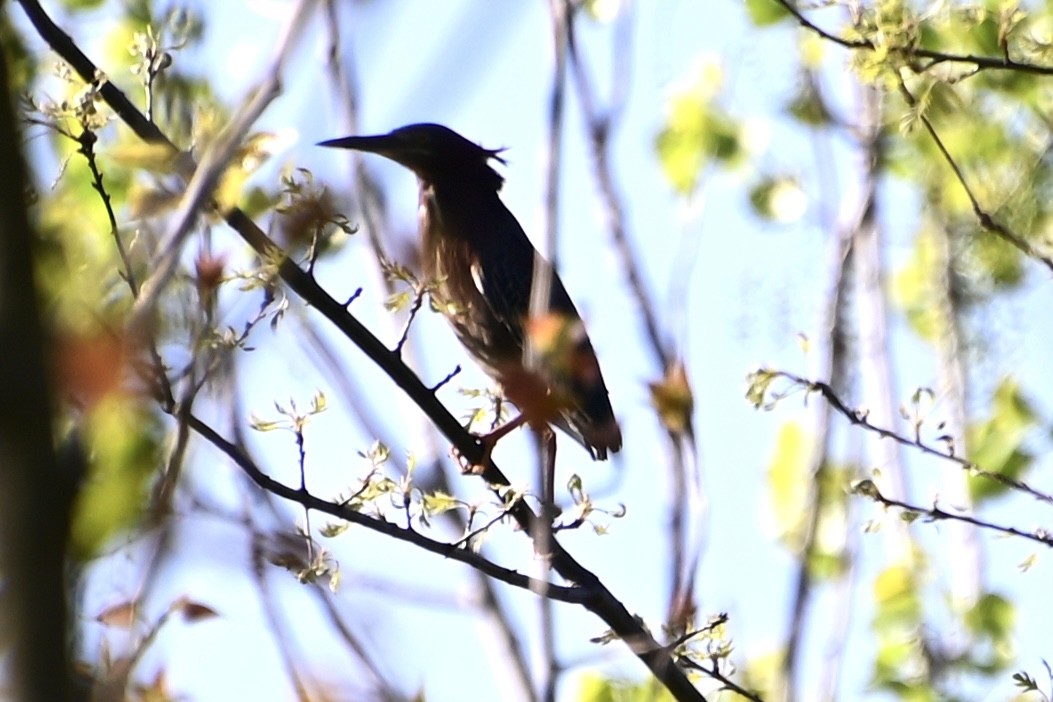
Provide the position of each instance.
(594, 594)
(598, 128)
(271, 611)
(211, 167)
(540, 287)
(965, 576)
(343, 83)
(36, 496)
(855, 230)
(683, 469)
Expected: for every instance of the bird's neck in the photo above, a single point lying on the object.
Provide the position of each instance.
(451, 209)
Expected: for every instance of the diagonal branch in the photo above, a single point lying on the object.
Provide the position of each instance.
(986, 220)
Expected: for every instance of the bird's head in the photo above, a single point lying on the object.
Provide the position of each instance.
(434, 152)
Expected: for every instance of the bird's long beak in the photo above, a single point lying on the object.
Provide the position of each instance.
(383, 144)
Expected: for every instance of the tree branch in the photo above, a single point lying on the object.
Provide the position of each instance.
(861, 419)
(454, 551)
(936, 514)
(995, 63)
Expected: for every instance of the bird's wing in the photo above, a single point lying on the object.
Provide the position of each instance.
(505, 282)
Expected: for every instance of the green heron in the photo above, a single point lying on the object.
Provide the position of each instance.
(482, 265)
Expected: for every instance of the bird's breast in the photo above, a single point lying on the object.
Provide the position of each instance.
(456, 267)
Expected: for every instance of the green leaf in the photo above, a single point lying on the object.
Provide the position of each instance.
(789, 482)
(697, 132)
(997, 443)
(779, 199)
(439, 502)
(993, 615)
(766, 12)
(123, 445)
(599, 689)
(896, 598)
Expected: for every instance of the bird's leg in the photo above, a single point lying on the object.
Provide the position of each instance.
(498, 406)
(489, 441)
(547, 467)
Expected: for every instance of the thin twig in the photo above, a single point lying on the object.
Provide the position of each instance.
(87, 149)
(997, 63)
(860, 418)
(418, 300)
(986, 220)
(935, 514)
(452, 551)
(213, 164)
(449, 376)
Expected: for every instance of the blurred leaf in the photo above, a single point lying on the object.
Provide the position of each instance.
(603, 11)
(123, 440)
(808, 105)
(764, 672)
(997, 443)
(766, 12)
(156, 158)
(673, 400)
(78, 5)
(195, 611)
(89, 368)
(779, 199)
(594, 688)
(147, 202)
(993, 616)
(897, 600)
(122, 615)
(697, 132)
(789, 482)
(912, 287)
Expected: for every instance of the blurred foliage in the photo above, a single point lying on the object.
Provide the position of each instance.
(997, 443)
(124, 437)
(594, 688)
(698, 131)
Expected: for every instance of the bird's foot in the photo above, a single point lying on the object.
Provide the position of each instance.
(487, 442)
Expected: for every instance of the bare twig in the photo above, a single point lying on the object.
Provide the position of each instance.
(861, 419)
(936, 514)
(418, 300)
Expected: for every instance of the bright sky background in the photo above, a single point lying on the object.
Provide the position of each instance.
(484, 69)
